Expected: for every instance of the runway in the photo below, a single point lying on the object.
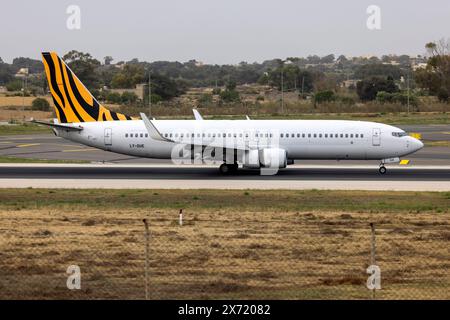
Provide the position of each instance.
(49, 147)
(154, 176)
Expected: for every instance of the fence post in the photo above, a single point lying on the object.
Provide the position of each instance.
(373, 251)
(181, 217)
(147, 252)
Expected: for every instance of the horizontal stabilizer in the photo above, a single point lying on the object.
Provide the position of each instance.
(60, 125)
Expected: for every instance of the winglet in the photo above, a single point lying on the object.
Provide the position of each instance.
(247, 117)
(153, 132)
(197, 114)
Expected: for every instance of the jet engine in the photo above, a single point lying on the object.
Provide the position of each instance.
(265, 158)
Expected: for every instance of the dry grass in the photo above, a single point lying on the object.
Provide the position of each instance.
(225, 251)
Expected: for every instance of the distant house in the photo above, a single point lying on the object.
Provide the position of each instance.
(139, 90)
(349, 83)
(23, 72)
(3, 89)
(421, 65)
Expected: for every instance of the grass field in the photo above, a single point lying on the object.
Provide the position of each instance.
(11, 159)
(233, 244)
(24, 128)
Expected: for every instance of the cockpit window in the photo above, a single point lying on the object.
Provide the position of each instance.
(399, 134)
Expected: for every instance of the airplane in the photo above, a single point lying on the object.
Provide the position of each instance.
(255, 144)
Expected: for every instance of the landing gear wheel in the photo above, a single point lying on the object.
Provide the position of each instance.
(224, 168)
(382, 170)
(228, 168)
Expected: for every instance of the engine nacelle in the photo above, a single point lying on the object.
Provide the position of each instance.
(265, 158)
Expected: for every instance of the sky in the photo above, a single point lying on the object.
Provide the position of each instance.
(222, 32)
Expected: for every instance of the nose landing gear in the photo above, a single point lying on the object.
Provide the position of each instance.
(382, 169)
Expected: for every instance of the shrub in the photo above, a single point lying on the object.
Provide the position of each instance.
(324, 96)
(443, 95)
(40, 104)
(128, 97)
(14, 85)
(113, 97)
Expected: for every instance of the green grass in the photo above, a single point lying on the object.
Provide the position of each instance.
(25, 128)
(8, 159)
(250, 200)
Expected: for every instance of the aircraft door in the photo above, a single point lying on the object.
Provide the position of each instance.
(108, 137)
(376, 137)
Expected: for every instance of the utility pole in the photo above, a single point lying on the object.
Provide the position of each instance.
(303, 86)
(282, 90)
(407, 82)
(149, 93)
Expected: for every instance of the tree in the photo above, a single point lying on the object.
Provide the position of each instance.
(128, 98)
(84, 66)
(324, 96)
(230, 94)
(14, 85)
(34, 66)
(129, 76)
(108, 60)
(378, 70)
(436, 76)
(368, 89)
(40, 104)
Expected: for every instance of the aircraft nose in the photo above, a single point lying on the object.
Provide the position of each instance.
(416, 144)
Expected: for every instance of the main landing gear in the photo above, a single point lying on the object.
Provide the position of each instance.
(228, 168)
(382, 169)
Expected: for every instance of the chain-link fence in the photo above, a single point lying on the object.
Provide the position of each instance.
(210, 256)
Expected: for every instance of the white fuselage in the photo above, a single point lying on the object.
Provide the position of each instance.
(302, 139)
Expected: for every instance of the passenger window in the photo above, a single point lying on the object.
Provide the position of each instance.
(326, 135)
(315, 135)
(351, 135)
(356, 135)
(309, 135)
(303, 135)
(362, 136)
(342, 135)
(229, 135)
(126, 135)
(281, 135)
(346, 135)
(146, 135)
(240, 135)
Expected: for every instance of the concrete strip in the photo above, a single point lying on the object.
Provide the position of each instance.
(165, 165)
(226, 184)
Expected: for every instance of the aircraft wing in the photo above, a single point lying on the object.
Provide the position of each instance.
(156, 135)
